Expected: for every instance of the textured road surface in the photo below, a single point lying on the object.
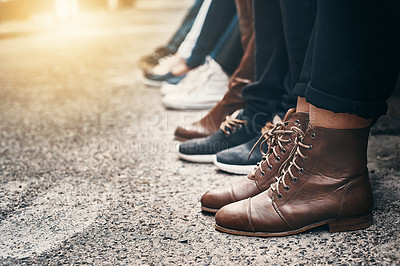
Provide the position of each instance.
(88, 165)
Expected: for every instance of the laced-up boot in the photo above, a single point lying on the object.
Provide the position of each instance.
(325, 181)
(281, 142)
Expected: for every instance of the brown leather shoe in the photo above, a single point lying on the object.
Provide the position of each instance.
(325, 182)
(281, 141)
(209, 124)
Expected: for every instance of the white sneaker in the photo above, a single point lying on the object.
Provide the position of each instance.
(194, 78)
(165, 65)
(205, 95)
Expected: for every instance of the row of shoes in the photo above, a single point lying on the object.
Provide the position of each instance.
(199, 89)
(291, 184)
(234, 148)
(202, 88)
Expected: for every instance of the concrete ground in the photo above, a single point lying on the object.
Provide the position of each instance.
(88, 165)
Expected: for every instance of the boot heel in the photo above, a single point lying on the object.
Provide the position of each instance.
(350, 224)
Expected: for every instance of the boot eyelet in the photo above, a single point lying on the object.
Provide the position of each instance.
(294, 179)
(286, 188)
(297, 122)
(301, 170)
(305, 158)
(310, 147)
(228, 134)
(270, 167)
(262, 173)
(277, 159)
(283, 151)
(239, 126)
(279, 195)
(289, 140)
(313, 135)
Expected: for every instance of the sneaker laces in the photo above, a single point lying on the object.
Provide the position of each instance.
(231, 122)
(291, 162)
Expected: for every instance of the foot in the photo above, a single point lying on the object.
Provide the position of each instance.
(235, 130)
(281, 143)
(325, 181)
(148, 62)
(243, 158)
(208, 92)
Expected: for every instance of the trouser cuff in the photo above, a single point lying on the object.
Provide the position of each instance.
(323, 100)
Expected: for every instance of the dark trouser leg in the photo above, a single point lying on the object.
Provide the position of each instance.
(355, 59)
(218, 18)
(298, 22)
(228, 51)
(264, 98)
(185, 27)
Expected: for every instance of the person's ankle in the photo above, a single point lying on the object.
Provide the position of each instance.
(180, 69)
(302, 105)
(328, 119)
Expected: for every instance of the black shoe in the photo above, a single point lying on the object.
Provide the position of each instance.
(235, 130)
(236, 160)
(148, 62)
(154, 80)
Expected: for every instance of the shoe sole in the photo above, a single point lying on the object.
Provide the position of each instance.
(335, 225)
(180, 139)
(210, 210)
(152, 83)
(175, 106)
(233, 169)
(207, 158)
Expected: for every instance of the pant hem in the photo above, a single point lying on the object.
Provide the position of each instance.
(323, 100)
(300, 89)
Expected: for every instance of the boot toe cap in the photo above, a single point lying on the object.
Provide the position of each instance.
(190, 132)
(234, 217)
(216, 199)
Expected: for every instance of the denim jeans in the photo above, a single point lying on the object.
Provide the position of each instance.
(185, 27)
(186, 47)
(228, 51)
(218, 19)
(353, 57)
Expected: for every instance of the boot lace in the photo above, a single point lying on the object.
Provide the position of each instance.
(230, 123)
(290, 162)
(275, 138)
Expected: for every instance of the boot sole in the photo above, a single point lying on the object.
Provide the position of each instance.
(207, 158)
(210, 210)
(234, 169)
(335, 225)
(180, 139)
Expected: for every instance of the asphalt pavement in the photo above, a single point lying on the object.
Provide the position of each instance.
(88, 164)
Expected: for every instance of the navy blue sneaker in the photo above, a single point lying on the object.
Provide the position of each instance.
(237, 160)
(234, 160)
(235, 130)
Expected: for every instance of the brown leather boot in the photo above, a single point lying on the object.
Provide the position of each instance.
(281, 141)
(325, 182)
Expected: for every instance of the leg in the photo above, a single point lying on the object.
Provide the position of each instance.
(326, 180)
